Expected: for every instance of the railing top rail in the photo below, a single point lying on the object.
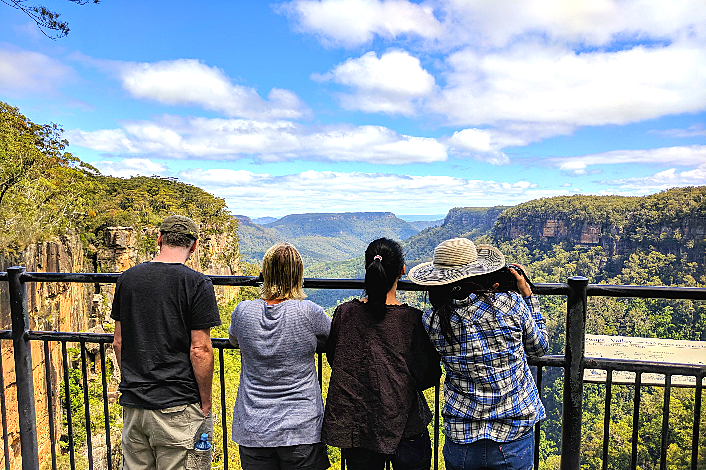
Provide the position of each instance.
(662, 292)
(601, 290)
(645, 366)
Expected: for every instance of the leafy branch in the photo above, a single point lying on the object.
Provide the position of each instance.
(45, 18)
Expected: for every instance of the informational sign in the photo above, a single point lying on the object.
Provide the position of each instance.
(671, 351)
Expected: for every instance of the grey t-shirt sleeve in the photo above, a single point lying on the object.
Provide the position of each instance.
(232, 329)
(320, 323)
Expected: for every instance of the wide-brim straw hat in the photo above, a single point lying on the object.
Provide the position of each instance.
(457, 259)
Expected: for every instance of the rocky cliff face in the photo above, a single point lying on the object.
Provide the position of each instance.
(79, 307)
(52, 306)
(473, 218)
(683, 237)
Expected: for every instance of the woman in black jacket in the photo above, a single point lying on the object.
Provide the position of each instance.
(381, 360)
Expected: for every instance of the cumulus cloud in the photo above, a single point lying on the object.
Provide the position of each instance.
(388, 84)
(479, 144)
(177, 137)
(450, 23)
(545, 68)
(689, 156)
(26, 73)
(190, 82)
(660, 181)
(355, 22)
(548, 86)
(316, 191)
(128, 167)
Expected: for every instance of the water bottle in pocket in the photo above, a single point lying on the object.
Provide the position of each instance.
(200, 457)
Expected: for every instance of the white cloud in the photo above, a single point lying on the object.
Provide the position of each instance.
(529, 69)
(689, 156)
(131, 167)
(497, 23)
(355, 22)
(177, 137)
(696, 130)
(548, 86)
(388, 84)
(478, 143)
(190, 82)
(316, 191)
(25, 73)
(660, 181)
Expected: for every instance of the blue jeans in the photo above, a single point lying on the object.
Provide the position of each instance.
(490, 455)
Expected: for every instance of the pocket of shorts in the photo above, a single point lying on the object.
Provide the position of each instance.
(198, 459)
(175, 414)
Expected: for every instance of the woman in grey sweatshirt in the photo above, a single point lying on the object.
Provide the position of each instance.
(279, 410)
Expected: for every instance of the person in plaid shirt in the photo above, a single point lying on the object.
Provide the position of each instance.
(484, 322)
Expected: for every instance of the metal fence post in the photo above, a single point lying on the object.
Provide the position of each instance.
(573, 374)
(23, 368)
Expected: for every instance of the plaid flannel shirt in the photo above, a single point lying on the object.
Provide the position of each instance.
(489, 390)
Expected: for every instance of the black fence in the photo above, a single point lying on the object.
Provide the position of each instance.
(573, 362)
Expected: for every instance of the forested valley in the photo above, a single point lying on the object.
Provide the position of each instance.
(652, 240)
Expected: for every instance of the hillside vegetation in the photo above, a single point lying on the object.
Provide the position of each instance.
(469, 222)
(45, 191)
(322, 237)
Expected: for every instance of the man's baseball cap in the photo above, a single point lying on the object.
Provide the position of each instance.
(180, 224)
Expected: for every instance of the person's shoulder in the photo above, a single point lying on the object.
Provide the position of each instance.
(137, 270)
(310, 306)
(247, 304)
(353, 305)
(192, 275)
(410, 310)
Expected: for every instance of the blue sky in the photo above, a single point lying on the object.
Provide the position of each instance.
(374, 105)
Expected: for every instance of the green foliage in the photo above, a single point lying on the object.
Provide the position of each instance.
(43, 189)
(323, 237)
(78, 409)
(143, 202)
(47, 20)
(469, 222)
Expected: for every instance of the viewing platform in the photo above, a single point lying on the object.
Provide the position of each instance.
(35, 347)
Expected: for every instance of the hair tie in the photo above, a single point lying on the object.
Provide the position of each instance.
(377, 257)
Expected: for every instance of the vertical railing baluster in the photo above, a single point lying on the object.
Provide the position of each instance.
(106, 411)
(67, 398)
(665, 422)
(3, 412)
(606, 416)
(635, 420)
(50, 401)
(86, 406)
(436, 427)
(537, 427)
(573, 374)
(224, 426)
(321, 371)
(24, 379)
(697, 422)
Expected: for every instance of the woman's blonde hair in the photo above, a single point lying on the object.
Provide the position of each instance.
(283, 273)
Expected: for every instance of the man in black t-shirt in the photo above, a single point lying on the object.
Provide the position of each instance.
(163, 314)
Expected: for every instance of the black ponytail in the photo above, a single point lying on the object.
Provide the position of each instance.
(384, 260)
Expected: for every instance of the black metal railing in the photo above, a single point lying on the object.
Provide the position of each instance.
(573, 362)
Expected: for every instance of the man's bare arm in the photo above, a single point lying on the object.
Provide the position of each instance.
(117, 341)
(202, 363)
